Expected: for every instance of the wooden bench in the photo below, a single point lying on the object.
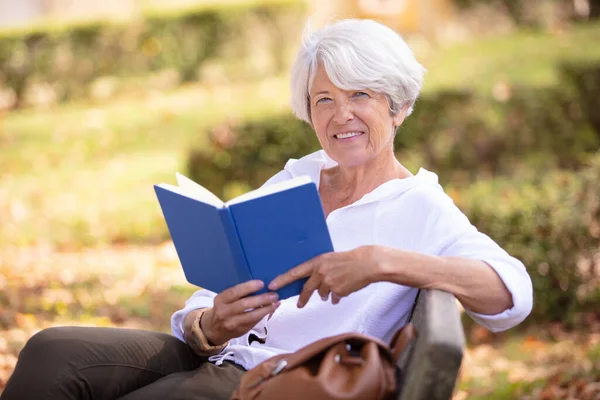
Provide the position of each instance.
(431, 364)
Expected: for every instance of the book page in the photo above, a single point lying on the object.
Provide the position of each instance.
(198, 191)
(192, 190)
(274, 188)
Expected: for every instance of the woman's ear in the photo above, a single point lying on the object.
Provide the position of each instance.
(398, 119)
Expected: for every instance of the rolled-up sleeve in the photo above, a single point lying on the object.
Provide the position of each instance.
(512, 272)
(456, 236)
(200, 299)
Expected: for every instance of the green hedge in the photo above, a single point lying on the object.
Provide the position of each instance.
(529, 13)
(244, 156)
(552, 224)
(249, 39)
(463, 135)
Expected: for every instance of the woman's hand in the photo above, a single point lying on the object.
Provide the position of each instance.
(339, 273)
(233, 314)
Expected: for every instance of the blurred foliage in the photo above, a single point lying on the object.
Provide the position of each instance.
(80, 175)
(534, 13)
(464, 135)
(552, 224)
(202, 43)
(527, 57)
(244, 156)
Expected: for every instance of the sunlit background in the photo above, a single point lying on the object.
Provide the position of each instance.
(101, 100)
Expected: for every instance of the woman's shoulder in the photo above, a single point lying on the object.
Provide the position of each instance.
(426, 199)
(423, 189)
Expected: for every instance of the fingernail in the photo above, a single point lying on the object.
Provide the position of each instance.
(273, 297)
(324, 298)
(300, 304)
(273, 286)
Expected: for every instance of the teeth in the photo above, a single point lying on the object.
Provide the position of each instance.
(347, 135)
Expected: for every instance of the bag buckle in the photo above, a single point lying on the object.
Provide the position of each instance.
(279, 367)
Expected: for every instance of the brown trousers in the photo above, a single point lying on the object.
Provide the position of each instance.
(110, 363)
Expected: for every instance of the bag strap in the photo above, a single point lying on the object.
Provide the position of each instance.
(412, 312)
(311, 350)
(401, 340)
(405, 334)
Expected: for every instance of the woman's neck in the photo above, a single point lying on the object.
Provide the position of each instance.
(350, 183)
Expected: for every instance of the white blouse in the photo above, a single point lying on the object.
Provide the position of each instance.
(412, 214)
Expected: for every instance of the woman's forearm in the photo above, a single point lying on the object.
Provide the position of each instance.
(474, 283)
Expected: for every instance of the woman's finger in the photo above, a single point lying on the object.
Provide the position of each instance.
(309, 287)
(238, 291)
(324, 291)
(251, 318)
(298, 272)
(251, 302)
(335, 299)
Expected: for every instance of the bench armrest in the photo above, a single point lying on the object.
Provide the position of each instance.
(431, 364)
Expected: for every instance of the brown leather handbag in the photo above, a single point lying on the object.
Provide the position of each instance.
(350, 366)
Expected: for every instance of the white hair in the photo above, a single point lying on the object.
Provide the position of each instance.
(357, 54)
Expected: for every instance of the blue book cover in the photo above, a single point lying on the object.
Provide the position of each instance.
(258, 235)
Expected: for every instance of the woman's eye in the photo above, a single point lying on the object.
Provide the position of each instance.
(323, 100)
(361, 94)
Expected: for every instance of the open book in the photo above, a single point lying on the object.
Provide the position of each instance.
(258, 235)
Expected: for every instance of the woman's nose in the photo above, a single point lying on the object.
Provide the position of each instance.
(343, 114)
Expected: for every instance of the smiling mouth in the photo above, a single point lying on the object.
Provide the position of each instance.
(347, 135)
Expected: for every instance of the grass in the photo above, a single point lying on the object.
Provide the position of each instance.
(524, 58)
(543, 362)
(139, 286)
(82, 174)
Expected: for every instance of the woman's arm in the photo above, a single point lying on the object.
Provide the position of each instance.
(474, 283)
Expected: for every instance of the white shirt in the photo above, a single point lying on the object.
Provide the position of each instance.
(412, 214)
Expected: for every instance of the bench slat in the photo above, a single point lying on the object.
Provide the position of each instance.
(433, 361)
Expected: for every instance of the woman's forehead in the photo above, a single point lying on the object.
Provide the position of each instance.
(322, 82)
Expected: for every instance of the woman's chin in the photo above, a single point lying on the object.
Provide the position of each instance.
(351, 158)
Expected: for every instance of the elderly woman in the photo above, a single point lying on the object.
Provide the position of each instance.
(354, 82)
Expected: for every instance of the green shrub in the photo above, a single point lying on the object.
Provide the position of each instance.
(552, 224)
(531, 14)
(463, 134)
(586, 81)
(243, 40)
(244, 156)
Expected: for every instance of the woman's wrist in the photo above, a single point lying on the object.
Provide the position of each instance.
(213, 337)
(190, 320)
(209, 333)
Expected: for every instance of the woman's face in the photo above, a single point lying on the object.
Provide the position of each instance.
(353, 127)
